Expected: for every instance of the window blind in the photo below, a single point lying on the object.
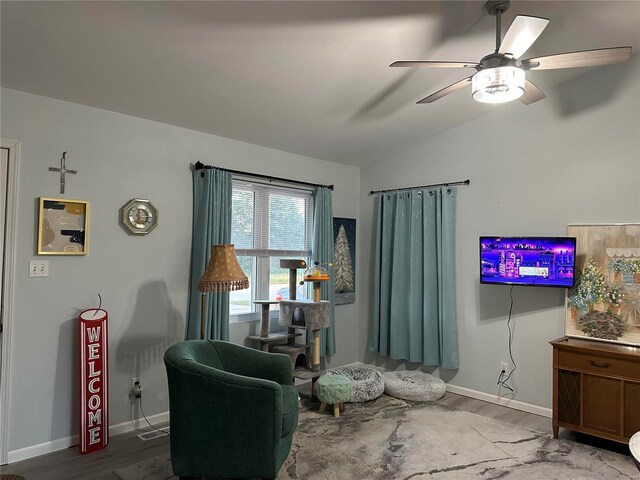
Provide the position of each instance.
(271, 220)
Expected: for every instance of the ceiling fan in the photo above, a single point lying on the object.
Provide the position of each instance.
(500, 77)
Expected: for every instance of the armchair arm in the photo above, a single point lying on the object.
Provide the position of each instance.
(255, 363)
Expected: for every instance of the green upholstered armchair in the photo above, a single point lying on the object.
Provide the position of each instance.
(233, 410)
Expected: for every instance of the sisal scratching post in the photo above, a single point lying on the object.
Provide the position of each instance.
(315, 363)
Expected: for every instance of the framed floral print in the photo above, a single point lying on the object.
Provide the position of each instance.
(605, 302)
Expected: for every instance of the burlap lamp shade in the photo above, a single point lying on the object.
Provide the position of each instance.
(223, 274)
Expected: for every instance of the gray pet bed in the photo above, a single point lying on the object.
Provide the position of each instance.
(414, 385)
(367, 383)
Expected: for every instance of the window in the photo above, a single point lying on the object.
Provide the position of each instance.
(268, 223)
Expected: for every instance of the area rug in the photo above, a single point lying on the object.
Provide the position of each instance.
(390, 438)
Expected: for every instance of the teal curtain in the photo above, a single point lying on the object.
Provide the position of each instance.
(211, 226)
(322, 251)
(414, 301)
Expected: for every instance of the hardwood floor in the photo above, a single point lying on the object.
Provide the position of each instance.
(68, 464)
(127, 449)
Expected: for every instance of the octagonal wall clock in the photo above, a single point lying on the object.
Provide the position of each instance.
(138, 216)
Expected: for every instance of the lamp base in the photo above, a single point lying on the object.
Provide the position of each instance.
(202, 316)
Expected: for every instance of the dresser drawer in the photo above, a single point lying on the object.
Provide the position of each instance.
(599, 365)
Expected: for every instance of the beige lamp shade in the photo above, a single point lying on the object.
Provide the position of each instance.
(223, 274)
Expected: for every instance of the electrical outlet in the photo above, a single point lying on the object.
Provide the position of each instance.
(504, 367)
(134, 388)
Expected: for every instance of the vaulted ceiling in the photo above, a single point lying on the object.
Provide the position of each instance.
(306, 77)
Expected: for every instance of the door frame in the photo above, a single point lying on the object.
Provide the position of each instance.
(11, 227)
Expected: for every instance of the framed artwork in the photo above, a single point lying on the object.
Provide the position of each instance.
(63, 226)
(344, 260)
(605, 302)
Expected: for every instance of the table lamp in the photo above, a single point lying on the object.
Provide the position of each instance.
(223, 274)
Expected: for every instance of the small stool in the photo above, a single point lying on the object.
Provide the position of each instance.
(335, 389)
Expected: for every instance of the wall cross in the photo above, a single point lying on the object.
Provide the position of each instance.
(63, 170)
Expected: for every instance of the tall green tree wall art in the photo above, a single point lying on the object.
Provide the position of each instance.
(344, 260)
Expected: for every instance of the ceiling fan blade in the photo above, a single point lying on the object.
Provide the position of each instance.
(585, 58)
(446, 90)
(532, 93)
(524, 30)
(427, 63)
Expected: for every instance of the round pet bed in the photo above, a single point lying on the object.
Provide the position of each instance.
(414, 385)
(366, 383)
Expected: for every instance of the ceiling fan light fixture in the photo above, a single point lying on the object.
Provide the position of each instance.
(498, 85)
(500, 76)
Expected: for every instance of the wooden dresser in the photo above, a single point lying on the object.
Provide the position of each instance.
(596, 388)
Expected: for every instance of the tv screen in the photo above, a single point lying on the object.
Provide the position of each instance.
(533, 261)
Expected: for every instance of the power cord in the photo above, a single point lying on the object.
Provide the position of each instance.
(137, 393)
(502, 380)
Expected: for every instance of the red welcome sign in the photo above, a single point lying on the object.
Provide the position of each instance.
(94, 392)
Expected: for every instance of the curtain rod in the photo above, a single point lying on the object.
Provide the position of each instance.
(448, 184)
(200, 166)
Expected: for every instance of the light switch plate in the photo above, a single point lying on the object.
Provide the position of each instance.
(38, 268)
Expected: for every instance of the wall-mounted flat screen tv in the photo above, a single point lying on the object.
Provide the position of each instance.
(529, 261)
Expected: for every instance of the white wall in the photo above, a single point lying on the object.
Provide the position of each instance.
(571, 158)
(143, 280)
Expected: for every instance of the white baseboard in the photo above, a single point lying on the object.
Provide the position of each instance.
(41, 449)
(515, 404)
(66, 442)
(138, 424)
